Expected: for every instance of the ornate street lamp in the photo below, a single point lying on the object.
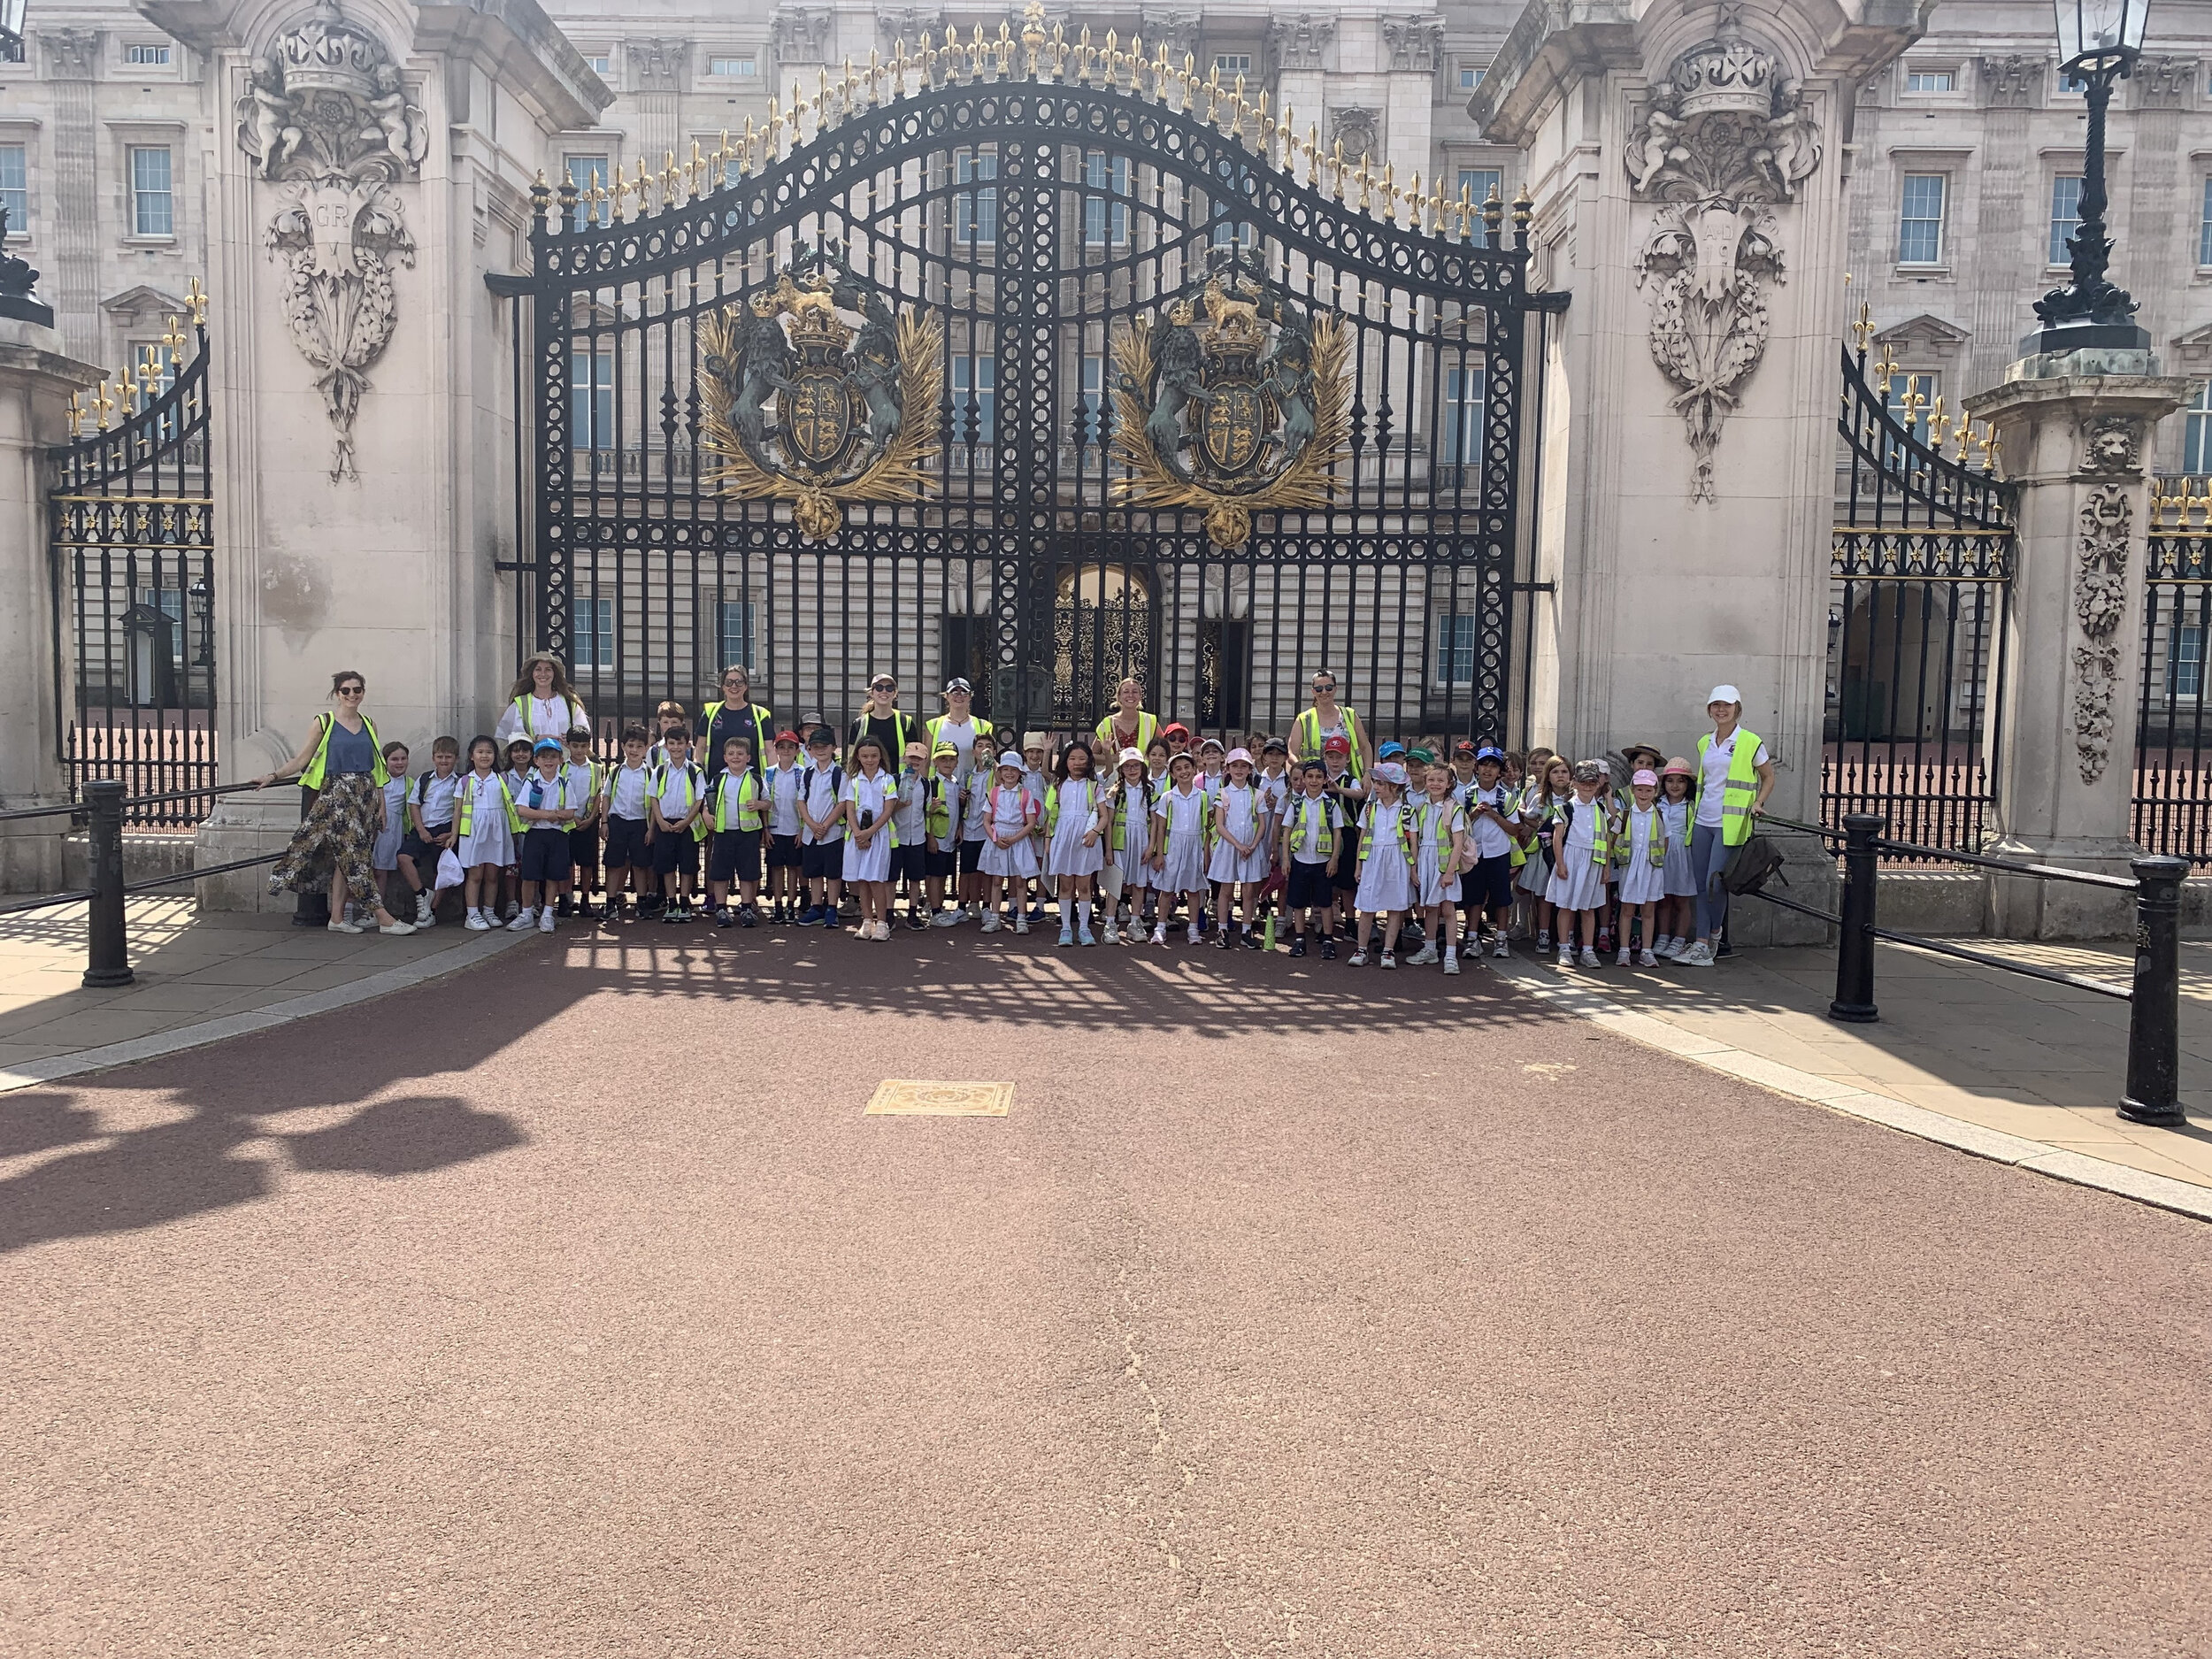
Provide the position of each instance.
(2098, 41)
(11, 30)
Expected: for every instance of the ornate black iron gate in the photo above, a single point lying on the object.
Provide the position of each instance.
(1922, 570)
(132, 514)
(1039, 362)
(2171, 799)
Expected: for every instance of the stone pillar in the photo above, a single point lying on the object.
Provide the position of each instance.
(1297, 51)
(2076, 441)
(72, 62)
(370, 164)
(37, 379)
(1685, 166)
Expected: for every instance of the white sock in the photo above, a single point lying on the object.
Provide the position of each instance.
(1083, 912)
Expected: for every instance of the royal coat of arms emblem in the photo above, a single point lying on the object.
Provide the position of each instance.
(1234, 398)
(816, 392)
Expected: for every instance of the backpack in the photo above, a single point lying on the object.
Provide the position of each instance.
(1751, 864)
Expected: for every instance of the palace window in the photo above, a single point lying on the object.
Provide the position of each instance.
(733, 67)
(2204, 227)
(591, 633)
(591, 398)
(588, 173)
(1232, 64)
(599, 63)
(147, 56)
(1920, 219)
(2065, 214)
(2184, 660)
(2196, 431)
(163, 357)
(15, 189)
(1464, 391)
(1909, 397)
(1930, 80)
(1479, 184)
(975, 212)
(153, 201)
(1105, 217)
(1456, 650)
(735, 635)
(1470, 77)
(975, 398)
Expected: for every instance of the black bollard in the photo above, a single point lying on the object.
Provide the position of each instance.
(109, 962)
(2154, 1095)
(1854, 948)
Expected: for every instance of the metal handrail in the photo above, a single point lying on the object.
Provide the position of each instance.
(80, 809)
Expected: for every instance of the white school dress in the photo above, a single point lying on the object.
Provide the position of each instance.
(1428, 862)
(1536, 873)
(1579, 883)
(1077, 813)
(1678, 880)
(1386, 880)
(1642, 880)
(1182, 866)
(1007, 811)
(871, 863)
(1239, 811)
(1135, 822)
(385, 854)
(489, 841)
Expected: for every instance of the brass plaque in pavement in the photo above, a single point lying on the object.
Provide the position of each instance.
(910, 1097)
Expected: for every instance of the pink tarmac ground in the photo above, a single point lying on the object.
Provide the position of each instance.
(572, 1307)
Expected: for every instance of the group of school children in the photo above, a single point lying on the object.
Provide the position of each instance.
(1448, 855)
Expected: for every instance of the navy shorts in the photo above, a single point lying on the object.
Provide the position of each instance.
(675, 852)
(736, 856)
(823, 860)
(941, 866)
(909, 863)
(1489, 885)
(544, 854)
(1309, 886)
(416, 847)
(784, 853)
(972, 856)
(626, 844)
(1348, 860)
(583, 850)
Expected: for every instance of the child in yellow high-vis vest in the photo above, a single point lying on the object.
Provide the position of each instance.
(677, 798)
(1387, 848)
(944, 804)
(909, 859)
(583, 835)
(625, 813)
(1641, 857)
(1312, 840)
(1582, 853)
(738, 812)
(487, 825)
(1180, 820)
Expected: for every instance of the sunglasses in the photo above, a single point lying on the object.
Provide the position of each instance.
(351, 691)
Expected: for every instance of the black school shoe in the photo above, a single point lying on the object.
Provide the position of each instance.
(726, 918)
(747, 917)
(1328, 951)
(1252, 941)
(1298, 946)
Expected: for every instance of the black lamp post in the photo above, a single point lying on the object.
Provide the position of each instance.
(2098, 41)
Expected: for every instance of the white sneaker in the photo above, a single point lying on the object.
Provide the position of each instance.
(1502, 948)
(1566, 956)
(423, 918)
(522, 921)
(883, 930)
(1193, 932)
(1021, 923)
(478, 922)
(1663, 946)
(1112, 935)
(1359, 959)
(341, 925)
(1389, 959)
(991, 923)
(1422, 957)
(1698, 956)
(1159, 936)
(1590, 957)
(951, 919)
(513, 909)
(1621, 960)
(1451, 962)
(1647, 960)
(545, 921)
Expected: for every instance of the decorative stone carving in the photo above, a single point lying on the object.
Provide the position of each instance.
(908, 24)
(2100, 604)
(2164, 83)
(2014, 82)
(1725, 140)
(327, 116)
(2110, 447)
(72, 54)
(658, 65)
(1173, 27)
(800, 35)
(1414, 43)
(1298, 42)
(1357, 129)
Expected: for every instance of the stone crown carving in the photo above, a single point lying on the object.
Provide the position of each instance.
(1358, 129)
(327, 116)
(1725, 139)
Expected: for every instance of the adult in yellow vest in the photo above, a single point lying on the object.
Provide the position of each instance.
(342, 762)
(1128, 724)
(540, 702)
(881, 718)
(1735, 776)
(736, 715)
(959, 726)
(1327, 718)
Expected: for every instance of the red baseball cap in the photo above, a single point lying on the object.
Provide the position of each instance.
(788, 737)
(1336, 746)
(1176, 729)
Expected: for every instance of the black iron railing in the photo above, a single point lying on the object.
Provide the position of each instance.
(2153, 1093)
(2171, 797)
